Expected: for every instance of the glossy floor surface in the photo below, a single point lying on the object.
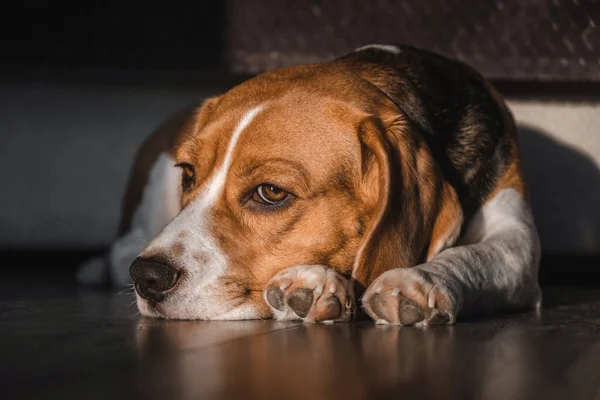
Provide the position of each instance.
(61, 341)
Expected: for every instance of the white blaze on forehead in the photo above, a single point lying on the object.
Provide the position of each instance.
(216, 184)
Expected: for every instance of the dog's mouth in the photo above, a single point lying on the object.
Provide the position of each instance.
(184, 302)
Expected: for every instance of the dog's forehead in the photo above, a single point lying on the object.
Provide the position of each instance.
(310, 129)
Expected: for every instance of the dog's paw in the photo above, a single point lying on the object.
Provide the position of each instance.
(311, 293)
(409, 296)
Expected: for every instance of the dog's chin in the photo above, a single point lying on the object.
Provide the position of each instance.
(182, 309)
(146, 309)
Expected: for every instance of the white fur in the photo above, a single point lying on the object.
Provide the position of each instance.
(495, 263)
(159, 204)
(493, 266)
(197, 297)
(383, 47)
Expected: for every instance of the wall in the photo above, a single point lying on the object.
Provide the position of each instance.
(67, 146)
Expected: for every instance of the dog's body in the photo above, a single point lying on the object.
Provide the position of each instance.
(390, 172)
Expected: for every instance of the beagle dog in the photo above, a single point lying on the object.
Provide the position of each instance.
(387, 179)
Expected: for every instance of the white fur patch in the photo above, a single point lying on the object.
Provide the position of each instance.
(506, 212)
(159, 204)
(196, 297)
(499, 253)
(162, 198)
(383, 47)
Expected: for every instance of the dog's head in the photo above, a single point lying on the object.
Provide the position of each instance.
(305, 165)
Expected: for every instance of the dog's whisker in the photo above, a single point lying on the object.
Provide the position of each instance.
(126, 292)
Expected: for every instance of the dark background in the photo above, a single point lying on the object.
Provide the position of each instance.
(548, 40)
(142, 36)
(81, 85)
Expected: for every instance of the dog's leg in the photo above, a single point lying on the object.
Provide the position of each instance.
(494, 267)
(160, 203)
(311, 293)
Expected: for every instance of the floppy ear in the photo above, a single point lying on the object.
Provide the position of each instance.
(417, 213)
(199, 116)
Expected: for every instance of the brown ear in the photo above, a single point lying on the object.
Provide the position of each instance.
(416, 212)
(198, 117)
(163, 139)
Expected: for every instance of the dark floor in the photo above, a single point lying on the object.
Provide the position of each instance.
(61, 341)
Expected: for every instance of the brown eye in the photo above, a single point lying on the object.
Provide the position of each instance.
(269, 194)
(187, 175)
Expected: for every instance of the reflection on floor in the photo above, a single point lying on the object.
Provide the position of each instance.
(60, 341)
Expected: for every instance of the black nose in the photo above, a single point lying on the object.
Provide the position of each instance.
(152, 278)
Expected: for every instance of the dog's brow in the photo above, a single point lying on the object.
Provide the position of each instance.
(189, 148)
(251, 167)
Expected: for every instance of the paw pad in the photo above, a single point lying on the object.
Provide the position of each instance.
(312, 293)
(300, 301)
(407, 296)
(275, 298)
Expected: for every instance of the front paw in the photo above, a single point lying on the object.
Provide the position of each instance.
(311, 293)
(409, 296)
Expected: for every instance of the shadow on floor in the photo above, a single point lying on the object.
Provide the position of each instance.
(564, 185)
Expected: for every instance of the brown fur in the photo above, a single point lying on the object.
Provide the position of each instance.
(512, 176)
(364, 179)
(411, 182)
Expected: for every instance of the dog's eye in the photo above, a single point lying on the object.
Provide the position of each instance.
(269, 194)
(187, 175)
